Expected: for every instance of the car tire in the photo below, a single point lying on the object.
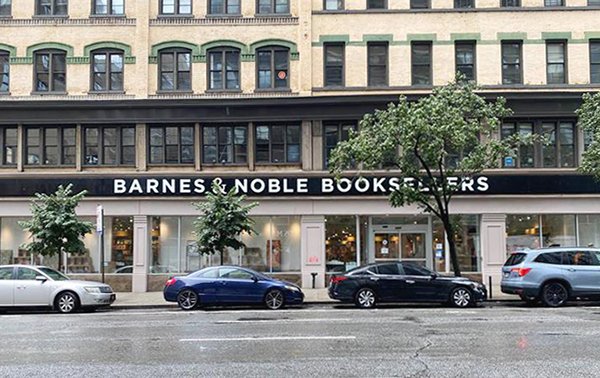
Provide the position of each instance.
(365, 298)
(187, 300)
(461, 297)
(555, 294)
(66, 302)
(274, 299)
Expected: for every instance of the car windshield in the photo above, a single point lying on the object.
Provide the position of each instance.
(55, 275)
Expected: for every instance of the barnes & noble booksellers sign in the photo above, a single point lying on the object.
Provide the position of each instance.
(311, 186)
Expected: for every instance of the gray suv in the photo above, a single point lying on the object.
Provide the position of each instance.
(553, 275)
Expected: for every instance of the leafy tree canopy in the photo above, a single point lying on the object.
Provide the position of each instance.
(54, 226)
(224, 218)
(589, 120)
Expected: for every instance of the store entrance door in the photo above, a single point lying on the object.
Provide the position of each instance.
(401, 243)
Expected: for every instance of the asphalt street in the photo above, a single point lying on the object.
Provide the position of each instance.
(507, 340)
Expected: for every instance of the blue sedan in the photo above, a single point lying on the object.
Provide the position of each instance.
(230, 285)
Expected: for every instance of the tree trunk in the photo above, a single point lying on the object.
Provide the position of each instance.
(451, 244)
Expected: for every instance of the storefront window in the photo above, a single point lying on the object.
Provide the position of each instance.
(467, 242)
(522, 232)
(88, 261)
(589, 230)
(340, 243)
(165, 245)
(121, 256)
(558, 230)
(439, 246)
(12, 237)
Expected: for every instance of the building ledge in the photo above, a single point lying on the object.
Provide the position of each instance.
(55, 21)
(273, 20)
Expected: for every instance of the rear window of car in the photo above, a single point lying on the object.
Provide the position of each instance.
(388, 269)
(554, 258)
(515, 259)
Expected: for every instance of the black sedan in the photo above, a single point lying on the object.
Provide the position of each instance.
(403, 282)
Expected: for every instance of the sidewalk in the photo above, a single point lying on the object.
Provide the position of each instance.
(155, 299)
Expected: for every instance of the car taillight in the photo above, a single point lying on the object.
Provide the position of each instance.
(521, 271)
(338, 279)
(170, 281)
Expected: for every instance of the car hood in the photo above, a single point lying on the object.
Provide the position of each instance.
(80, 283)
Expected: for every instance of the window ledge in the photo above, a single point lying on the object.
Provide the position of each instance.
(4, 93)
(47, 166)
(224, 15)
(50, 16)
(266, 90)
(258, 15)
(217, 91)
(6, 17)
(49, 93)
(118, 16)
(101, 93)
(100, 166)
(162, 92)
(291, 165)
(171, 165)
(224, 165)
(167, 16)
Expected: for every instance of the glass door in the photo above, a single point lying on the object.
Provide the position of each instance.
(413, 247)
(387, 246)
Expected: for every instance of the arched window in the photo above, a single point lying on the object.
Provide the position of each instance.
(107, 71)
(175, 70)
(273, 67)
(4, 71)
(224, 69)
(52, 7)
(50, 71)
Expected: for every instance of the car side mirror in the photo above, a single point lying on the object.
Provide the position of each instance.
(41, 278)
(254, 278)
(434, 275)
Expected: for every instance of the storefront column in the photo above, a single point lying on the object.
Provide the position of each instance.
(313, 251)
(493, 249)
(141, 244)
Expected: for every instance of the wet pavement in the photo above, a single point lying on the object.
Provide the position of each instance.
(497, 340)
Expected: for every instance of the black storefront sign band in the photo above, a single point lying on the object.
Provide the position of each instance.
(310, 186)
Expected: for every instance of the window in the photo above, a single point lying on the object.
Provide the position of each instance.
(5, 7)
(511, 62)
(415, 270)
(464, 3)
(278, 143)
(175, 70)
(109, 145)
(334, 64)
(336, 132)
(8, 141)
(224, 7)
(558, 151)
(595, 61)
(376, 4)
(51, 7)
(175, 7)
(6, 273)
(554, 258)
(377, 64)
(388, 269)
(333, 4)
(556, 62)
(465, 59)
(421, 63)
(515, 259)
(554, 3)
(107, 71)
(273, 68)
(224, 69)
(50, 71)
(578, 258)
(109, 7)
(225, 144)
(233, 273)
(50, 145)
(420, 4)
(340, 243)
(26, 274)
(510, 3)
(4, 71)
(594, 3)
(171, 145)
(273, 6)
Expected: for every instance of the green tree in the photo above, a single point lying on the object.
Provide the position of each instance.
(54, 226)
(224, 218)
(434, 145)
(589, 121)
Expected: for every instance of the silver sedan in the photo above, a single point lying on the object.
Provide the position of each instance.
(40, 286)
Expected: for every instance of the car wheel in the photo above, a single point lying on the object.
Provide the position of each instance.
(66, 302)
(461, 297)
(187, 300)
(554, 294)
(274, 300)
(530, 301)
(365, 298)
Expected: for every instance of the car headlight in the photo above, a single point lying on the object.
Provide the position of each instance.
(292, 288)
(476, 285)
(92, 289)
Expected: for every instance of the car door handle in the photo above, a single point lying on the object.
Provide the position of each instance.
(409, 281)
(571, 270)
(374, 278)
